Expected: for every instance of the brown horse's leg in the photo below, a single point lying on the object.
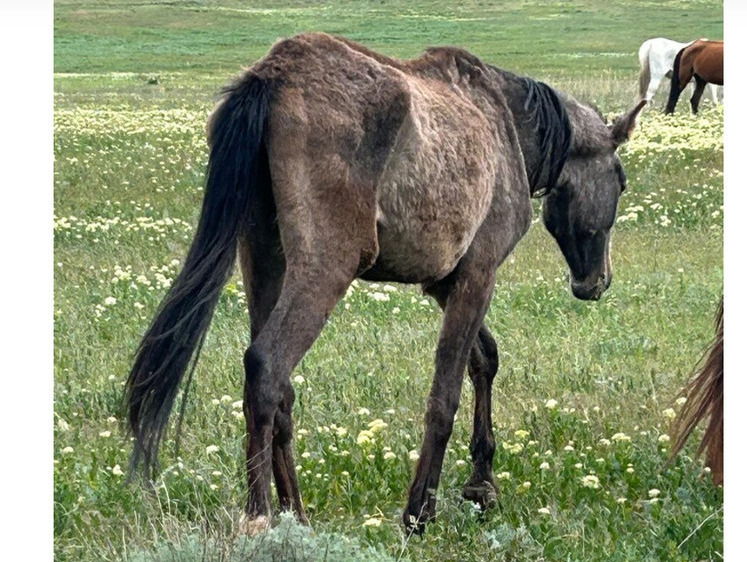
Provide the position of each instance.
(482, 368)
(466, 295)
(305, 302)
(263, 269)
(321, 259)
(700, 85)
(263, 265)
(283, 467)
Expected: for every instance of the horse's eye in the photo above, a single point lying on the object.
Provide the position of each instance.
(622, 177)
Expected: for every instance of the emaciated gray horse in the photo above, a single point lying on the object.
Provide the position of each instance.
(329, 162)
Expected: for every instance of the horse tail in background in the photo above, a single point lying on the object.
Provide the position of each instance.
(176, 335)
(705, 398)
(644, 77)
(675, 89)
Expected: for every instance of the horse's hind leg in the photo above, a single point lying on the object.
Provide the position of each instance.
(700, 85)
(653, 85)
(465, 295)
(678, 85)
(263, 266)
(482, 368)
(305, 302)
(328, 232)
(283, 467)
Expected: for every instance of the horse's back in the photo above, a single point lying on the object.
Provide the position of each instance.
(706, 59)
(401, 138)
(658, 55)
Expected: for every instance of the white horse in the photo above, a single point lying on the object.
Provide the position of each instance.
(657, 59)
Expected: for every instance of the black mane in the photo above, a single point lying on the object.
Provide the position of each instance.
(549, 120)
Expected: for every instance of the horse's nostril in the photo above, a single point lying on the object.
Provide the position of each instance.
(607, 279)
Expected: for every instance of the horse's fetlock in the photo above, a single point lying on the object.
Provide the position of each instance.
(482, 448)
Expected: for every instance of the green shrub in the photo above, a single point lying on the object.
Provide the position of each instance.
(287, 542)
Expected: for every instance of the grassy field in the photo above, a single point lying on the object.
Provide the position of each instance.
(585, 391)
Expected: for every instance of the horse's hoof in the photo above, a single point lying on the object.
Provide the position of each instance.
(414, 525)
(482, 493)
(253, 526)
(416, 517)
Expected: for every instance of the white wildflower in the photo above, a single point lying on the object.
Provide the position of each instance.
(590, 481)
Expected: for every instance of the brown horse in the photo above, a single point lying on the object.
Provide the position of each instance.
(329, 162)
(705, 399)
(702, 60)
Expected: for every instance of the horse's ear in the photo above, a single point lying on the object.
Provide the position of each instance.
(622, 127)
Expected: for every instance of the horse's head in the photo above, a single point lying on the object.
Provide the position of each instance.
(580, 210)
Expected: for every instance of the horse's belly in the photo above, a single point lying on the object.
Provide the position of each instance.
(436, 186)
(424, 229)
(412, 259)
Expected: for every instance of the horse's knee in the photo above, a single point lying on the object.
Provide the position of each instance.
(490, 350)
(439, 417)
(484, 358)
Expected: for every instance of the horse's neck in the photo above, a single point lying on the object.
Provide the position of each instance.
(516, 91)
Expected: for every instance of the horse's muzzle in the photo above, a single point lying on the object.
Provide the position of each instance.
(591, 290)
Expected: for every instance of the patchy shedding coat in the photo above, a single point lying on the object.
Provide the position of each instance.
(330, 162)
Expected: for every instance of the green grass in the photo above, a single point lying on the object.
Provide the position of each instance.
(129, 170)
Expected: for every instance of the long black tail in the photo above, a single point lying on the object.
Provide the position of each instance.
(176, 335)
(676, 88)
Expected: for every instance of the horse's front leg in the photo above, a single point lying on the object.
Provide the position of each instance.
(483, 366)
(465, 298)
